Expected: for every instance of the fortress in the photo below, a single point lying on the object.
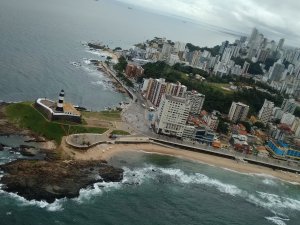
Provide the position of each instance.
(58, 110)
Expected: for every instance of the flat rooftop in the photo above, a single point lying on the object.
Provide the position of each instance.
(175, 99)
(68, 107)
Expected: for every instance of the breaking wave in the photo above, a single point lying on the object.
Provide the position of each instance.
(272, 202)
(57, 205)
(277, 220)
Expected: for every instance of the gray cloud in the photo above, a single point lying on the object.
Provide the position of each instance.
(274, 18)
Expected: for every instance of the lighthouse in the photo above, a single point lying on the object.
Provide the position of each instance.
(60, 103)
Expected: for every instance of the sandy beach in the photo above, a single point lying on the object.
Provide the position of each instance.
(106, 151)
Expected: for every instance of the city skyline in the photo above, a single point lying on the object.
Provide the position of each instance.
(236, 17)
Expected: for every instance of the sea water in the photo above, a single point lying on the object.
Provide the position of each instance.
(160, 189)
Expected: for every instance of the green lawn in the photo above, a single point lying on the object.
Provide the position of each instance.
(220, 86)
(120, 132)
(25, 116)
(104, 115)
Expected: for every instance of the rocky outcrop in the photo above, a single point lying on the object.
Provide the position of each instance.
(44, 180)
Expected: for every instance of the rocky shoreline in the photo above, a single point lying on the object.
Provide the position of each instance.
(45, 174)
(51, 180)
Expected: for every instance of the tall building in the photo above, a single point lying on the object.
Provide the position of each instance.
(289, 105)
(196, 58)
(280, 44)
(223, 46)
(166, 50)
(156, 88)
(245, 67)
(276, 71)
(266, 111)
(228, 52)
(196, 100)
(179, 46)
(172, 115)
(238, 112)
(253, 36)
(287, 118)
(177, 89)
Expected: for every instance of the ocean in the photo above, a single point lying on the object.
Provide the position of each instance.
(42, 52)
(164, 190)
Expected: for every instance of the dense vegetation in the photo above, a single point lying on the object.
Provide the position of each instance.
(120, 67)
(25, 116)
(254, 68)
(214, 50)
(215, 98)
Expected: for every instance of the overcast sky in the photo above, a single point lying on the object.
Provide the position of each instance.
(274, 18)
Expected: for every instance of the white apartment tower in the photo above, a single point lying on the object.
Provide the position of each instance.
(238, 112)
(289, 105)
(266, 111)
(172, 115)
(196, 100)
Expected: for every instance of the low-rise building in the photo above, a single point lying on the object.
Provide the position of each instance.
(58, 110)
(283, 150)
(133, 70)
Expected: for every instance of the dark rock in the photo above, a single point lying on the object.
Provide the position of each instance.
(27, 150)
(96, 46)
(44, 180)
(2, 147)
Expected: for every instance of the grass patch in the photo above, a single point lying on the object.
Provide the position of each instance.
(120, 132)
(220, 87)
(104, 115)
(25, 116)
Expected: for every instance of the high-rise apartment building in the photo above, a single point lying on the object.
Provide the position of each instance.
(238, 112)
(172, 115)
(289, 105)
(276, 71)
(156, 88)
(196, 100)
(245, 67)
(266, 112)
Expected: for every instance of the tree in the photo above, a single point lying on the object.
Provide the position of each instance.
(223, 126)
(255, 69)
(121, 65)
(247, 125)
(259, 125)
(269, 62)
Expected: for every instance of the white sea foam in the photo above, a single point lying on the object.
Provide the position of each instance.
(269, 182)
(55, 206)
(76, 64)
(94, 52)
(279, 202)
(277, 220)
(87, 62)
(265, 200)
(138, 176)
(86, 194)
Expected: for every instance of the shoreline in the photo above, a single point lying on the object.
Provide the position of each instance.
(107, 151)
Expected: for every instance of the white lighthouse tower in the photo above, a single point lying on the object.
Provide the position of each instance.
(60, 103)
